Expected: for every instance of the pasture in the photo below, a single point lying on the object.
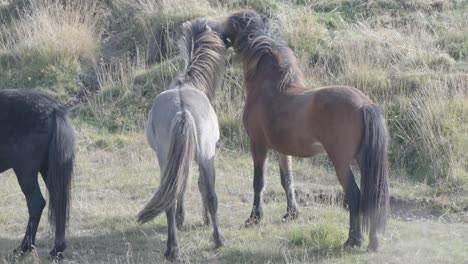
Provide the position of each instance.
(112, 184)
(107, 60)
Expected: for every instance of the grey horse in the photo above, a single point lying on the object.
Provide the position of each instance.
(182, 127)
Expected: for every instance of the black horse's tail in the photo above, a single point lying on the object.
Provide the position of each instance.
(60, 171)
(374, 169)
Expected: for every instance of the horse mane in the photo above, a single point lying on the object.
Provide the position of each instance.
(203, 52)
(255, 39)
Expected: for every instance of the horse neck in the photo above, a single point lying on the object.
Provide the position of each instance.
(205, 74)
(269, 81)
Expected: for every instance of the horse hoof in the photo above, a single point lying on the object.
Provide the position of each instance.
(220, 241)
(252, 221)
(290, 216)
(56, 256)
(22, 249)
(372, 248)
(172, 254)
(352, 243)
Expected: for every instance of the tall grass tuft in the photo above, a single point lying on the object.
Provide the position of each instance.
(54, 30)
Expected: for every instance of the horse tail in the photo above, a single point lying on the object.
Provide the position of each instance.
(374, 204)
(60, 171)
(176, 173)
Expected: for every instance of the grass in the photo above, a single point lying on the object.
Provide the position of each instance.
(45, 48)
(114, 181)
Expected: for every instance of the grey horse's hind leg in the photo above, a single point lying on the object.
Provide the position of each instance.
(287, 182)
(207, 171)
(203, 190)
(172, 251)
(180, 212)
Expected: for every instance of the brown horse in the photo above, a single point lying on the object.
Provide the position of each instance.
(282, 114)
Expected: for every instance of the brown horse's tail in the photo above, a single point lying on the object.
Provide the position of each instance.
(374, 202)
(177, 170)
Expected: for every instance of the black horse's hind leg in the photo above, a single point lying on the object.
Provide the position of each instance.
(287, 182)
(27, 179)
(203, 191)
(259, 155)
(353, 197)
(172, 251)
(207, 172)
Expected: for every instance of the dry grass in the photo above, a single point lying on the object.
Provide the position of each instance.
(54, 31)
(113, 181)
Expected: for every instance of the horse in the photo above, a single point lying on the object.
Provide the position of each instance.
(282, 114)
(36, 136)
(182, 127)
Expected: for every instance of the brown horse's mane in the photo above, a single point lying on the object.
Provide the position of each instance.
(255, 39)
(203, 52)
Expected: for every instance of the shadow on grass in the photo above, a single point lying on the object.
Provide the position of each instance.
(147, 243)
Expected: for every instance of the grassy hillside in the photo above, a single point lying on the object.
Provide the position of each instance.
(410, 56)
(110, 58)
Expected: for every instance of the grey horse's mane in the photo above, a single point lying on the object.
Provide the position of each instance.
(255, 39)
(204, 55)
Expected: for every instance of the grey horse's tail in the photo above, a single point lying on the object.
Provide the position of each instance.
(175, 175)
(374, 169)
(60, 171)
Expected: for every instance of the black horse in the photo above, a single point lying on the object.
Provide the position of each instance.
(36, 136)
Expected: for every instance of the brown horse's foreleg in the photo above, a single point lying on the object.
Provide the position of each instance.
(287, 181)
(259, 155)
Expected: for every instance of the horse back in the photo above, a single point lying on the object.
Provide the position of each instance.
(164, 109)
(299, 121)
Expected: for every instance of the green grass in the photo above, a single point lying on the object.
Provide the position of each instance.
(114, 180)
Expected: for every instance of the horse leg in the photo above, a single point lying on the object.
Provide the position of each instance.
(259, 155)
(353, 197)
(202, 187)
(287, 182)
(342, 161)
(35, 201)
(207, 172)
(172, 251)
(180, 212)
